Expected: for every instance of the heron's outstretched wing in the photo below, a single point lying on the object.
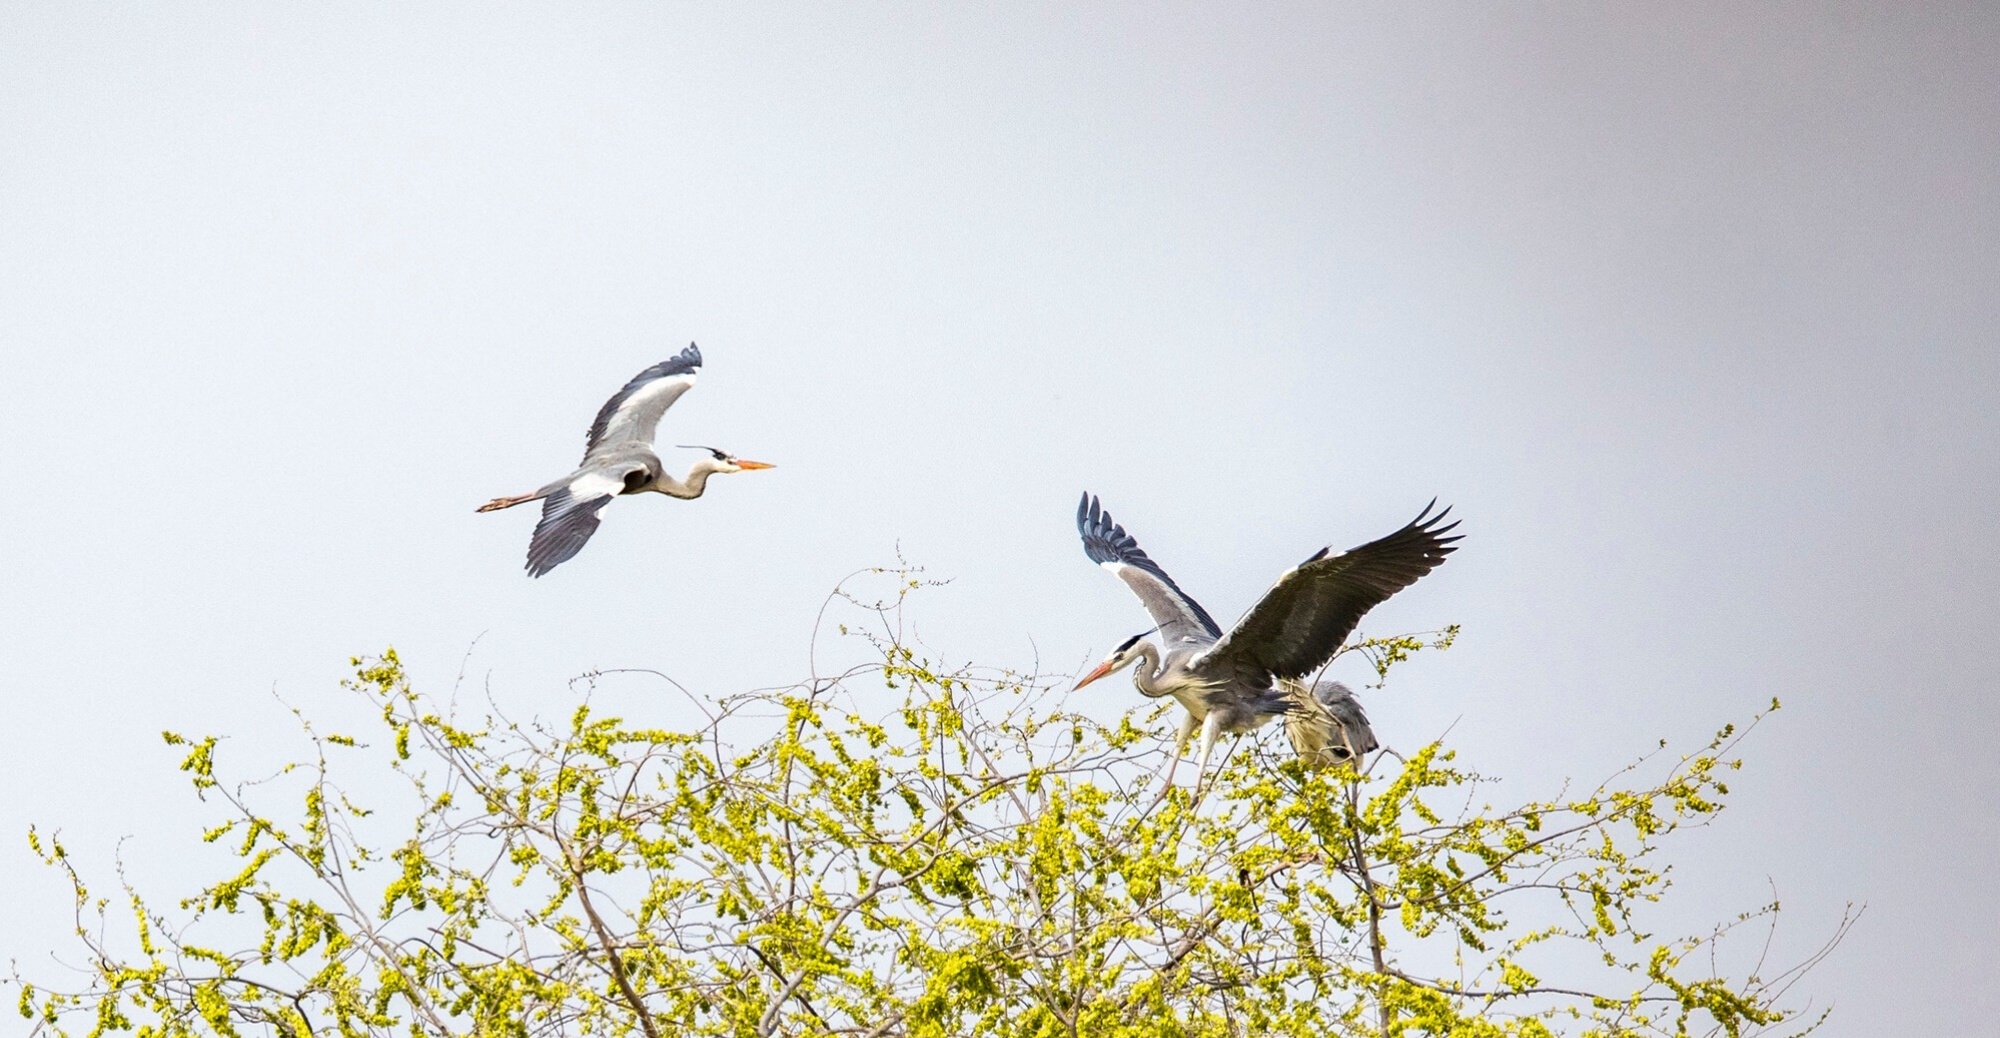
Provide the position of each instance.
(1180, 618)
(1301, 622)
(634, 413)
(570, 515)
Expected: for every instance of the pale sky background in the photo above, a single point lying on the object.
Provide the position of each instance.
(1689, 310)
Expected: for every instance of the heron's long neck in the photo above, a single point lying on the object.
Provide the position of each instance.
(689, 488)
(1146, 673)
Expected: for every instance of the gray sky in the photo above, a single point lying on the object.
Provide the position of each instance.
(1690, 313)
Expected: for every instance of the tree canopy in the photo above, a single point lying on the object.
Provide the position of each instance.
(904, 849)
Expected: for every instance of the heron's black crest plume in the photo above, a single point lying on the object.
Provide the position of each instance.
(720, 454)
(1134, 640)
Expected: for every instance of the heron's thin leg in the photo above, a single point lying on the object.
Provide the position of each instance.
(1180, 741)
(507, 502)
(1211, 730)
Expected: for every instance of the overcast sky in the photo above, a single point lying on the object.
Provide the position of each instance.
(1690, 311)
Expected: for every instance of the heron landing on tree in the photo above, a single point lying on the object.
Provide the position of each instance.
(1239, 681)
(619, 458)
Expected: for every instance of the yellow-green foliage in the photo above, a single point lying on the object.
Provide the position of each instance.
(966, 857)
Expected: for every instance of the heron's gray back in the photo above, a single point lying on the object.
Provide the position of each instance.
(623, 457)
(1243, 708)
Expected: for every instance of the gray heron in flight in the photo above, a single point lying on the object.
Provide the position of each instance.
(618, 458)
(1239, 681)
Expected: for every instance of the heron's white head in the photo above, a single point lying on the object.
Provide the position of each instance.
(1127, 653)
(722, 461)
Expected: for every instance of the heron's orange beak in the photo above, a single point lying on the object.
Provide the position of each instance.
(1102, 669)
(748, 465)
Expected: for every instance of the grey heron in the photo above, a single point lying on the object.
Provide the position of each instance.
(1239, 681)
(619, 458)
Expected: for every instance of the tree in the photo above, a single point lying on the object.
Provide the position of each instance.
(950, 852)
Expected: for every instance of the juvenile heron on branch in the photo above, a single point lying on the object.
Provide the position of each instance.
(619, 458)
(1240, 681)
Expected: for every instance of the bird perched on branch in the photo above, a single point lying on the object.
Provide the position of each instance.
(619, 458)
(1240, 681)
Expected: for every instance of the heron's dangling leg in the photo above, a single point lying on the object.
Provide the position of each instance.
(1211, 730)
(507, 502)
(1187, 729)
